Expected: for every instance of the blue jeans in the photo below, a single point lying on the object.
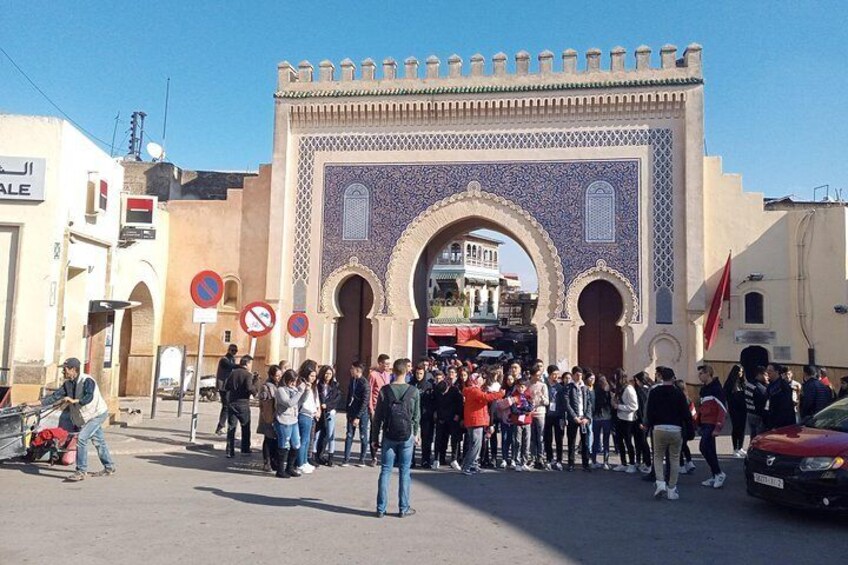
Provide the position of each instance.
(402, 452)
(364, 426)
(507, 433)
(288, 436)
(600, 431)
(93, 431)
(325, 439)
(304, 424)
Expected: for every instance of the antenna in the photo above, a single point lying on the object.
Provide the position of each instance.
(136, 135)
(165, 120)
(114, 131)
(826, 188)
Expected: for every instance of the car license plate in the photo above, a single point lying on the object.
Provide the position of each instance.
(768, 481)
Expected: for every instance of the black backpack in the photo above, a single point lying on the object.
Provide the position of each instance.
(398, 416)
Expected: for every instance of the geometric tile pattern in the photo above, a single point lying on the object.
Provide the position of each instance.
(600, 213)
(660, 141)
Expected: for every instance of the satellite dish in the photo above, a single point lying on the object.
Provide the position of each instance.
(156, 151)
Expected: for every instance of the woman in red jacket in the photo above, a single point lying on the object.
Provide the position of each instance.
(476, 419)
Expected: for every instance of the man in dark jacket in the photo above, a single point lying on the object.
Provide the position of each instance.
(665, 416)
(756, 396)
(358, 393)
(240, 386)
(428, 413)
(815, 395)
(781, 411)
(577, 416)
(226, 365)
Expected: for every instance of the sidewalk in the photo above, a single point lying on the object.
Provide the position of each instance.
(166, 432)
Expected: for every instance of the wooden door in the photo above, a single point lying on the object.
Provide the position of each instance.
(353, 329)
(599, 342)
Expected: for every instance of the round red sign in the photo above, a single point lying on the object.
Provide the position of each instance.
(257, 319)
(298, 324)
(206, 289)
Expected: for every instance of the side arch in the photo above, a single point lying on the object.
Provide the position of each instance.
(473, 203)
(330, 289)
(602, 271)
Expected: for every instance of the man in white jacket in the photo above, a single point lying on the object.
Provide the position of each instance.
(626, 406)
(81, 397)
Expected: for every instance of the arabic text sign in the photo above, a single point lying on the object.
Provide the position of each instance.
(22, 178)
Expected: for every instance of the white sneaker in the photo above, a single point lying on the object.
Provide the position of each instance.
(528, 467)
(644, 469)
(607, 467)
(502, 465)
(306, 471)
(709, 482)
(690, 466)
(719, 480)
(672, 494)
(434, 465)
(682, 469)
(632, 469)
(738, 454)
(308, 467)
(519, 468)
(743, 453)
(619, 468)
(510, 466)
(558, 466)
(661, 489)
(455, 466)
(597, 465)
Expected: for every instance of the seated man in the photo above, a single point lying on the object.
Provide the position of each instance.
(87, 410)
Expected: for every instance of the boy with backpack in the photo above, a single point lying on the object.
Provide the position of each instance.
(398, 415)
(521, 417)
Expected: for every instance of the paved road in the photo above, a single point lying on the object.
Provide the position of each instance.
(194, 506)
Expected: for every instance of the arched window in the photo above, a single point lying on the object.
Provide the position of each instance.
(230, 301)
(456, 253)
(600, 213)
(754, 308)
(356, 222)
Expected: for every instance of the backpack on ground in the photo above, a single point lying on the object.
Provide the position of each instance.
(398, 416)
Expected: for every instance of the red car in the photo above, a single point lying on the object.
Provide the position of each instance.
(805, 465)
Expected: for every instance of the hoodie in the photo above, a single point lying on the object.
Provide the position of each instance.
(713, 407)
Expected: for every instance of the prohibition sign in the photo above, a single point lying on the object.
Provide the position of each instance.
(206, 289)
(257, 319)
(298, 324)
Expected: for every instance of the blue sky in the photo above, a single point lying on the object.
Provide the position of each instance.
(775, 71)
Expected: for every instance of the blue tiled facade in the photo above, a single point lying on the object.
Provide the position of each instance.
(553, 192)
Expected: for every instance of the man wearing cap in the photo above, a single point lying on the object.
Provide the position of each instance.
(88, 411)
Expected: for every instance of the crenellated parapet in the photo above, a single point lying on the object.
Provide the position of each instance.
(523, 75)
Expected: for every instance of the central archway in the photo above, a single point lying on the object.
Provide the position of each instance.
(137, 345)
(464, 212)
(600, 345)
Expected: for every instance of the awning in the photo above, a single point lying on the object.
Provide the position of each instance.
(441, 331)
(431, 344)
(465, 333)
(95, 306)
(474, 344)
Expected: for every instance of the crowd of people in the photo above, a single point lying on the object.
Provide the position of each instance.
(512, 418)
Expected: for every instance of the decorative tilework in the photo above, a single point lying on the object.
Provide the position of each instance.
(552, 192)
(599, 216)
(357, 213)
(660, 141)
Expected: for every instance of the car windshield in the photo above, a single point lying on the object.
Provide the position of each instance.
(834, 417)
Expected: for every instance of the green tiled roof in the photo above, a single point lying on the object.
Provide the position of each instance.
(483, 89)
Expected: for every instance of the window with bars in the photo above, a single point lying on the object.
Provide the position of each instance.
(356, 221)
(600, 213)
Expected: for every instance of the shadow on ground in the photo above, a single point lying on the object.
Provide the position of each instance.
(310, 503)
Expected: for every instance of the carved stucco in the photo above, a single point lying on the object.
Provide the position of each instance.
(330, 289)
(602, 271)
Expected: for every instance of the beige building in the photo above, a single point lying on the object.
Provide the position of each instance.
(66, 266)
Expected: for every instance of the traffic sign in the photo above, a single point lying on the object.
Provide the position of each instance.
(206, 289)
(298, 324)
(257, 319)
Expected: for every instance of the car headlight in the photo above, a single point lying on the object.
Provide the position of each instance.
(821, 463)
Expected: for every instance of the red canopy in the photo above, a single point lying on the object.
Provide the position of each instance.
(431, 344)
(441, 331)
(466, 333)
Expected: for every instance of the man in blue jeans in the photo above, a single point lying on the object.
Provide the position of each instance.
(358, 393)
(398, 415)
(88, 411)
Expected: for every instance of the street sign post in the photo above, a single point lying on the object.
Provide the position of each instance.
(298, 324)
(206, 290)
(257, 319)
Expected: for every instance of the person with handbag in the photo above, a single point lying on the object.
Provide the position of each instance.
(267, 412)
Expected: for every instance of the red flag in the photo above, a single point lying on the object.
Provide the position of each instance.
(722, 293)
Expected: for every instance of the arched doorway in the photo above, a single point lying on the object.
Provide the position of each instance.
(353, 329)
(600, 342)
(752, 357)
(137, 352)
